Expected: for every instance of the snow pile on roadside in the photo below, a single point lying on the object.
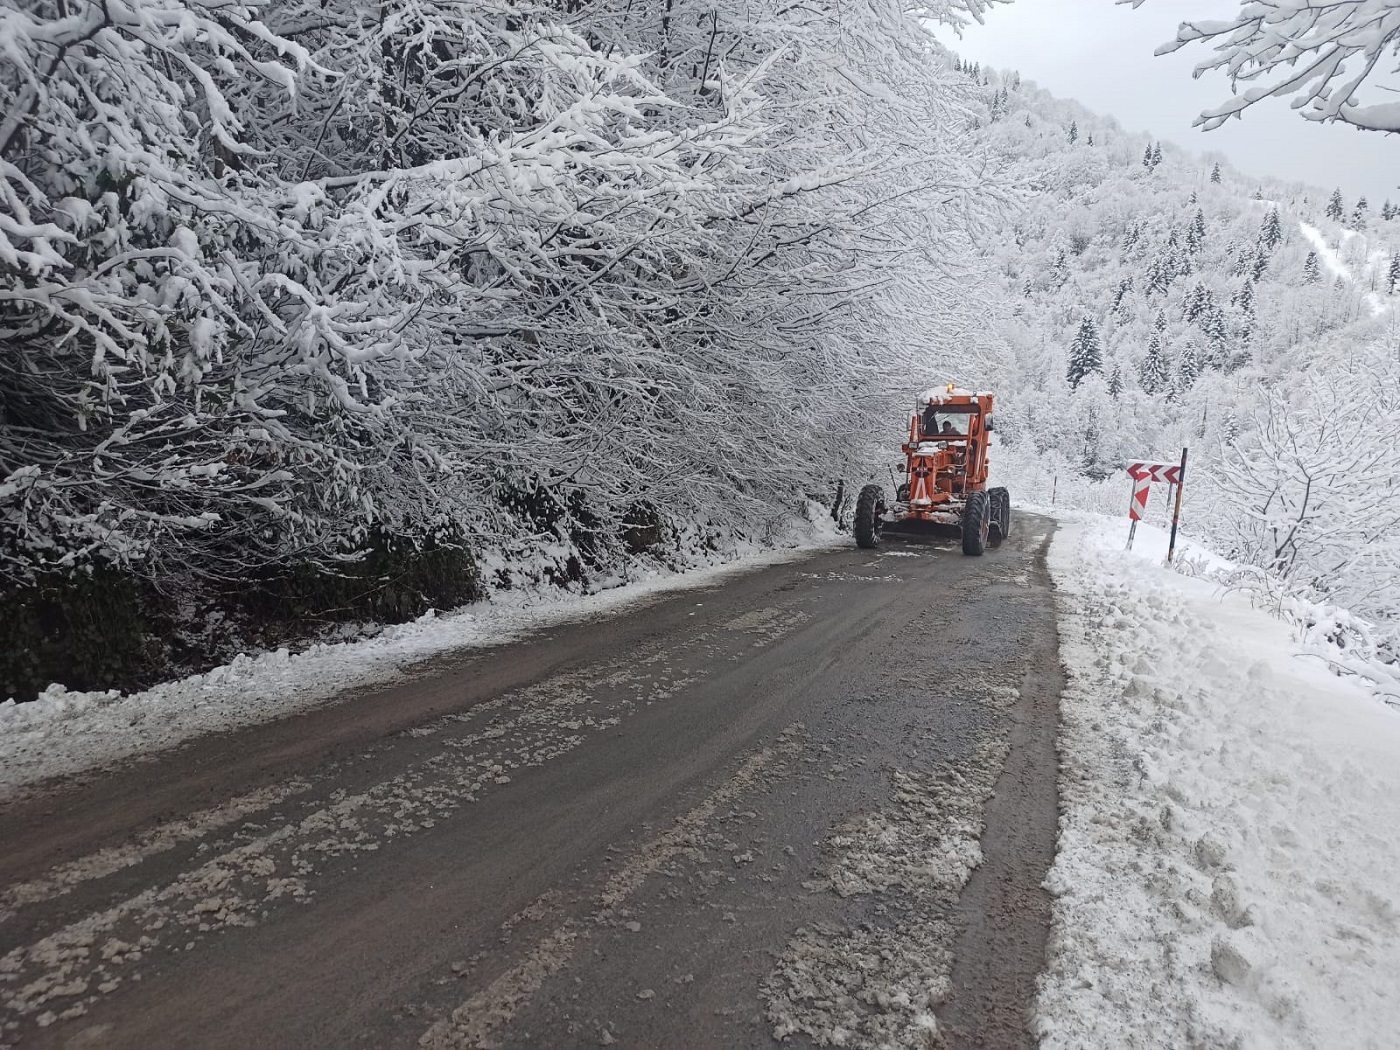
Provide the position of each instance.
(64, 732)
(1226, 873)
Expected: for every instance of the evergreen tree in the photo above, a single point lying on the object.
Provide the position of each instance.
(1387, 210)
(1160, 325)
(1229, 429)
(1244, 264)
(1196, 232)
(1121, 294)
(1160, 273)
(1115, 381)
(1147, 157)
(1311, 273)
(1261, 266)
(1091, 463)
(1244, 298)
(1073, 132)
(1156, 154)
(1085, 353)
(1213, 326)
(1179, 259)
(1155, 376)
(1188, 366)
(1215, 175)
(1358, 217)
(1271, 232)
(1393, 278)
(1335, 208)
(1196, 301)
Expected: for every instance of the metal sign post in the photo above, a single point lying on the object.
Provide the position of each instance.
(1137, 508)
(1176, 513)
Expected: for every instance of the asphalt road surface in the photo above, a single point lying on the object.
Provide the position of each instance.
(733, 815)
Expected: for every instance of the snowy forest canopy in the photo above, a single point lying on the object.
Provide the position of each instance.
(289, 281)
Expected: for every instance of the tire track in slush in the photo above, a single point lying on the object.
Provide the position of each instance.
(471, 1024)
(57, 977)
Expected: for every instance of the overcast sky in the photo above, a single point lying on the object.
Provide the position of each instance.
(1102, 54)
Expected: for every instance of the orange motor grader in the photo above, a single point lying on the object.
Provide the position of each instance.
(945, 466)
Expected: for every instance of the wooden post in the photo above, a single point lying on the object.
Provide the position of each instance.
(1176, 514)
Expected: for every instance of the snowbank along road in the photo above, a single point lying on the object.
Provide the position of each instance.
(732, 815)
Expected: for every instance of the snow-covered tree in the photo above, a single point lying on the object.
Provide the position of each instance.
(280, 276)
(1311, 271)
(1196, 232)
(1271, 230)
(1073, 132)
(1393, 275)
(1324, 54)
(1120, 294)
(1155, 375)
(1085, 353)
(1188, 365)
(1335, 207)
(1215, 175)
(1197, 301)
(1358, 216)
(1328, 451)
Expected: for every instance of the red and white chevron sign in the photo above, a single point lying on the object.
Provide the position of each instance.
(1168, 472)
(1138, 507)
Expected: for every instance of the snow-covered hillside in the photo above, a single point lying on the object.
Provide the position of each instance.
(1157, 300)
(1225, 874)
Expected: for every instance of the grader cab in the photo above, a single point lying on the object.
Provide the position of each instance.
(945, 469)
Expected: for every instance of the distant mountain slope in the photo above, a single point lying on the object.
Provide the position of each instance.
(1156, 300)
(1177, 284)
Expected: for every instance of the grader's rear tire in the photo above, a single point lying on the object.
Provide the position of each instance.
(1001, 510)
(976, 518)
(869, 507)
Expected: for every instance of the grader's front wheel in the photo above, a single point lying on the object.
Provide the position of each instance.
(869, 507)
